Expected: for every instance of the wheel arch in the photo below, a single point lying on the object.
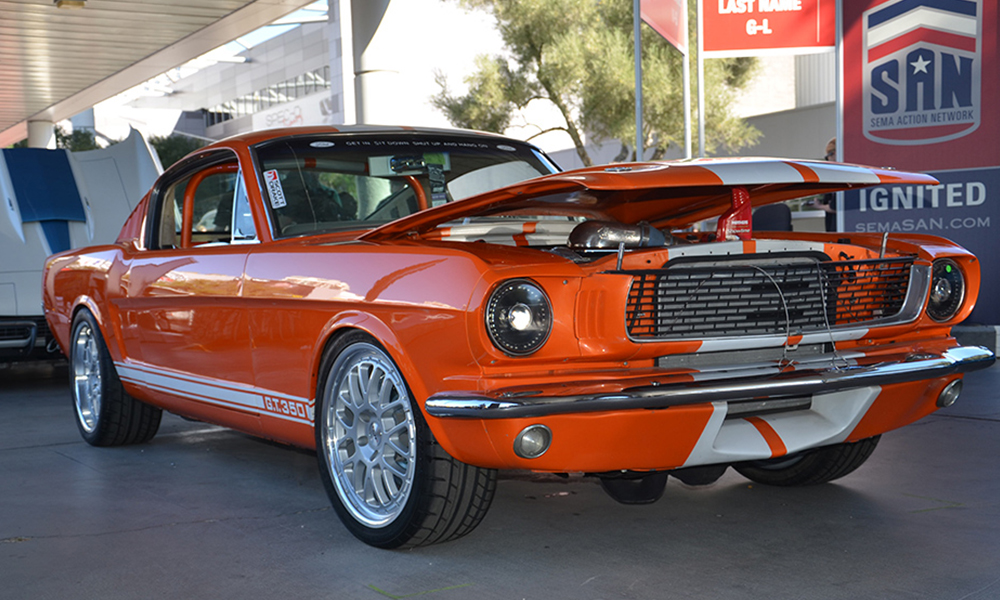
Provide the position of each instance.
(356, 320)
(91, 305)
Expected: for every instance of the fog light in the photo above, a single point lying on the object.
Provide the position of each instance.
(949, 394)
(533, 441)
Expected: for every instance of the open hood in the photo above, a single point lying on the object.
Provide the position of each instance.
(669, 195)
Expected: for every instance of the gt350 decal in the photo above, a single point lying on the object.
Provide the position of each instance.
(216, 391)
(291, 408)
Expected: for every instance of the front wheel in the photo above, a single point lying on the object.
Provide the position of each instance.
(389, 480)
(811, 467)
(105, 414)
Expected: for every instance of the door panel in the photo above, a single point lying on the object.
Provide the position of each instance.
(184, 327)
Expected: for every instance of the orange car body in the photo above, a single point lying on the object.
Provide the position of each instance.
(234, 334)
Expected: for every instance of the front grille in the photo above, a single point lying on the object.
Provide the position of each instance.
(745, 297)
(16, 331)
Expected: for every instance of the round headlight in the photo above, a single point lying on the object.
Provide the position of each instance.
(947, 290)
(518, 317)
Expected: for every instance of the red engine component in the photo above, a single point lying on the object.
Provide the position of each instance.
(736, 223)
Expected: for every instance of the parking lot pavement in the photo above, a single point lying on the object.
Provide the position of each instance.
(204, 512)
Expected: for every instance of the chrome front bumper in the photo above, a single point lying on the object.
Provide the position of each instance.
(804, 382)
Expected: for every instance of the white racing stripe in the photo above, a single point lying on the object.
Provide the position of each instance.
(834, 173)
(831, 418)
(217, 392)
(750, 172)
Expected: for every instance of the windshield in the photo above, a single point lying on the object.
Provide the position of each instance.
(330, 182)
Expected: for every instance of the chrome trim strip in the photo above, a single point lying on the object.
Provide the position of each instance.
(914, 367)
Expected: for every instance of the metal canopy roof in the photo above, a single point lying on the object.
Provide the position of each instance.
(57, 62)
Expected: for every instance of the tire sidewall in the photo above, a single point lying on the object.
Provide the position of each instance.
(407, 522)
(816, 466)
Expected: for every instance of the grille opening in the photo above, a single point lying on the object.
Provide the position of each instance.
(756, 408)
(784, 294)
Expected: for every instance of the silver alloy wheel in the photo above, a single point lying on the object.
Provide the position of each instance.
(369, 435)
(87, 383)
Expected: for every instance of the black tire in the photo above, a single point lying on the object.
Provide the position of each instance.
(105, 414)
(646, 489)
(811, 467)
(390, 482)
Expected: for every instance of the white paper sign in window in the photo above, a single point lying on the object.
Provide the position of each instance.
(274, 190)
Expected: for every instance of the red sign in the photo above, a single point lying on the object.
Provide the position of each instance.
(668, 18)
(921, 83)
(754, 27)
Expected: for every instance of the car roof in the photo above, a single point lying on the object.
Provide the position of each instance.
(256, 137)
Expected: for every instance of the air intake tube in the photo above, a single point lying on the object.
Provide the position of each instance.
(607, 234)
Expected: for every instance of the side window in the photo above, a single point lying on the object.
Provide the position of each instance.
(243, 227)
(212, 206)
(169, 233)
(208, 206)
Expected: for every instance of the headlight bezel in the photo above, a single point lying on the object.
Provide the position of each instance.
(948, 286)
(518, 294)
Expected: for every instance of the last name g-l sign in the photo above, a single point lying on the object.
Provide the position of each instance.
(757, 27)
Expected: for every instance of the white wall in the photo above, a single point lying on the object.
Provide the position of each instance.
(796, 133)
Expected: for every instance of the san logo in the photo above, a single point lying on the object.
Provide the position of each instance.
(922, 70)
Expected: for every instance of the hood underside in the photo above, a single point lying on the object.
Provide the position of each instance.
(669, 195)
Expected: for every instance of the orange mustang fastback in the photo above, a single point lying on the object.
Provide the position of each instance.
(424, 307)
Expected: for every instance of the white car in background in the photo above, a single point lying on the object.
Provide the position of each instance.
(54, 200)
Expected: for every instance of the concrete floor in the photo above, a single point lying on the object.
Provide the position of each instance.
(203, 512)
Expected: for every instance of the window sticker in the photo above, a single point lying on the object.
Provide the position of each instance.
(274, 190)
(435, 173)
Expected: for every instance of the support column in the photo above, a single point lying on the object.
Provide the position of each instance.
(85, 121)
(375, 69)
(340, 107)
(42, 134)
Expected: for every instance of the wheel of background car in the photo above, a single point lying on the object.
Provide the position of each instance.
(636, 490)
(105, 414)
(388, 479)
(811, 467)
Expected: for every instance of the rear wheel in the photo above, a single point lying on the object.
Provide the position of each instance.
(811, 467)
(105, 414)
(388, 479)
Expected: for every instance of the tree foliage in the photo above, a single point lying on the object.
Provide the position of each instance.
(172, 148)
(577, 55)
(78, 140)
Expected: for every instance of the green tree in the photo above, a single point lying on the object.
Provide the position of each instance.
(172, 148)
(79, 140)
(577, 55)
